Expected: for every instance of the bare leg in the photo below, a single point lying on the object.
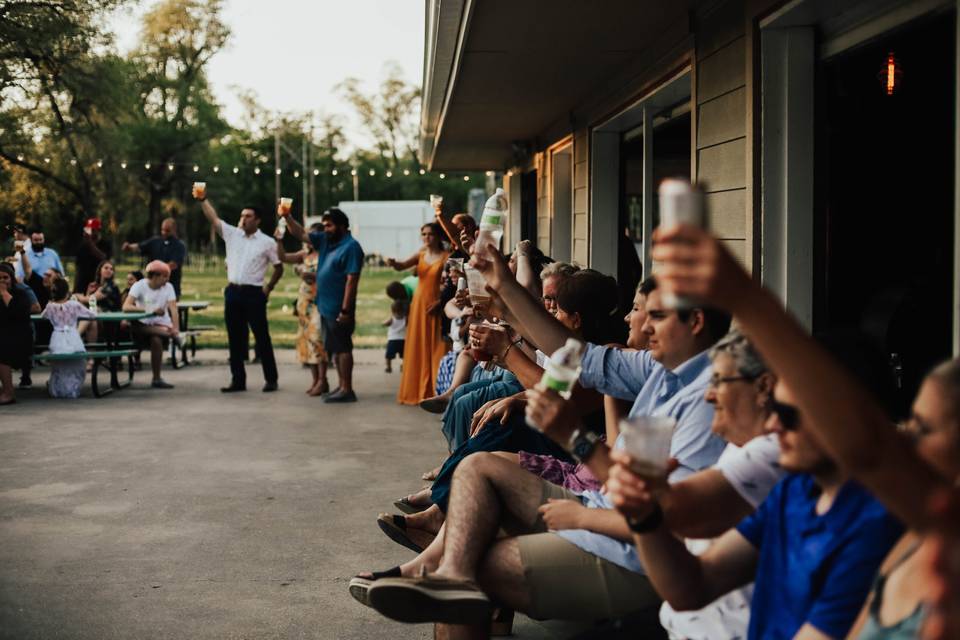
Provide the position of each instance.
(6, 383)
(430, 520)
(156, 355)
(462, 370)
(346, 371)
(506, 455)
(428, 559)
(486, 490)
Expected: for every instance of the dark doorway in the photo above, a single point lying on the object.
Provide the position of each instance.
(884, 224)
(528, 207)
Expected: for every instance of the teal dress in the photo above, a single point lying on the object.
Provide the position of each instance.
(906, 629)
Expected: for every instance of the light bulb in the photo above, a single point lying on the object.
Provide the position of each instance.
(46, 160)
(490, 174)
(334, 172)
(442, 176)
(296, 174)
(73, 162)
(389, 174)
(279, 171)
(216, 168)
(170, 167)
(123, 165)
(20, 158)
(196, 168)
(146, 165)
(316, 172)
(466, 178)
(406, 172)
(236, 169)
(372, 172)
(423, 172)
(99, 163)
(353, 172)
(256, 170)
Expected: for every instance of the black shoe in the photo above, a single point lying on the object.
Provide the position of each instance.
(25, 383)
(160, 383)
(233, 387)
(340, 396)
(270, 386)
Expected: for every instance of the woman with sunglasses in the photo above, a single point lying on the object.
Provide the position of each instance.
(844, 418)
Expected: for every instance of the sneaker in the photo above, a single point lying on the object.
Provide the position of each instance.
(430, 599)
(160, 383)
(340, 396)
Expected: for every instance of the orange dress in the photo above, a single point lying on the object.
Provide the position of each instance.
(424, 343)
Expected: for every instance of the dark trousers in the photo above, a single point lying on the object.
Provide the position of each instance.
(245, 306)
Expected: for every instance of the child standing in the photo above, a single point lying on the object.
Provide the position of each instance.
(63, 313)
(396, 323)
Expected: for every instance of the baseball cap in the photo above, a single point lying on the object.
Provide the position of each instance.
(92, 223)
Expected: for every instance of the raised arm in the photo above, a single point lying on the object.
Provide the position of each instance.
(131, 247)
(448, 228)
(294, 228)
(403, 265)
(525, 275)
(530, 318)
(208, 211)
(843, 416)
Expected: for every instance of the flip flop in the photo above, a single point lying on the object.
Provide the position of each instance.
(359, 585)
(403, 504)
(430, 476)
(431, 599)
(395, 528)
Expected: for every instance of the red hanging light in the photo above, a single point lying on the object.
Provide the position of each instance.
(892, 74)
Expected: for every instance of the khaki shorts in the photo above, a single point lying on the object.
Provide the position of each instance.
(565, 582)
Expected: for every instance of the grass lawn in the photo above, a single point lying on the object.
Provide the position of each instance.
(207, 283)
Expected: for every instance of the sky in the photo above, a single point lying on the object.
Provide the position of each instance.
(292, 53)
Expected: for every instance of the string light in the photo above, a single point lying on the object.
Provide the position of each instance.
(123, 165)
(99, 163)
(73, 162)
(263, 158)
(19, 157)
(196, 168)
(372, 172)
(46, 160)
(334, 172)
(256, 170)
(316, 172)
(389, 174)
(170, 166)
(466, 178)
(353, 172)
(279, 171)
(442, 176)
(423, 172)
(490, 174)
(216, 168)
(296, 174)
(146, 165)
(236, 169)
(406, 172)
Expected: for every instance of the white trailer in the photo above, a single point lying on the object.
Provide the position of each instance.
(388, 228)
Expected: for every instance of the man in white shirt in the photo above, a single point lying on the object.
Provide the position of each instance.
(249, 253)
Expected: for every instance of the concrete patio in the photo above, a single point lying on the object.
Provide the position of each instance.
(190, 514)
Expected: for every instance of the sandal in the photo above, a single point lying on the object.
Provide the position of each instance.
(431, 475)
(395, 527)
(359, 585)
(404, 504)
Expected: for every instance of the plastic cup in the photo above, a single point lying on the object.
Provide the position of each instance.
(479, 298)
(286, 204)
(647, 440)
(436, 200)
(199, 190)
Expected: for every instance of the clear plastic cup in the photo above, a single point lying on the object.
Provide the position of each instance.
(286, 204)
(647, 440)
(479, 298)
(436, 201)
(199, 189)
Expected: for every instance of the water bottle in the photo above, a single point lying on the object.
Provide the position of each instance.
(680, 203)
(562, 370)
(92, 303)
(492, 222)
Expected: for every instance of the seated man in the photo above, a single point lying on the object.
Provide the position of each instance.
(814, 544)
(155, 295)
(576, 573)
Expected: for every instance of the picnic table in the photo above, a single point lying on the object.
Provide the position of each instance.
(108, 354)
(184, 307)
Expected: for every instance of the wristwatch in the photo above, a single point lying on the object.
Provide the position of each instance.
(582, 444)
(651, 523)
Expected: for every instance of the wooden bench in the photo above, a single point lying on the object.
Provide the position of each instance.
(110, 359)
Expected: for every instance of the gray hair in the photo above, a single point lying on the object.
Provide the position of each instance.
(558, 270)
(745, 358)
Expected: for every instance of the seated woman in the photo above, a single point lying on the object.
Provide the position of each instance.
(586, 302)
(107, 294)
(155, 295)
(63, 312)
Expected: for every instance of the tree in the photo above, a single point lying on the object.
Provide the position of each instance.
(390, 115)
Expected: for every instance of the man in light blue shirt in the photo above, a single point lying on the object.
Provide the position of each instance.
(580, 574)
(42, 259)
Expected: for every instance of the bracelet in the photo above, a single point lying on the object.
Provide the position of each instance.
(503, 356)
(651, 523)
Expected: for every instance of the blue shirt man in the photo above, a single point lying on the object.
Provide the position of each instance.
(812, 568)
(166, 247)
(338, 258)
(41, 258)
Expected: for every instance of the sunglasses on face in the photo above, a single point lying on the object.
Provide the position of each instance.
(787, 414)
(716, 380)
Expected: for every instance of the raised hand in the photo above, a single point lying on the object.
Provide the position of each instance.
(554, 416)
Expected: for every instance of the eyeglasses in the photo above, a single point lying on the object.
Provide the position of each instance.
(787, 414)
(716, 379)
(915, 428)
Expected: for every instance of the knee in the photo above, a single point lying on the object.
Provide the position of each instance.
(479, 463)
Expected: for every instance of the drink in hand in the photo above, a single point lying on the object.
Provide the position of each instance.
(286, 205)
(479, 298)
(199, 190)
(647, 440)
(492, 223)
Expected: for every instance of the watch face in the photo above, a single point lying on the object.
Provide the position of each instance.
(582, 448)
